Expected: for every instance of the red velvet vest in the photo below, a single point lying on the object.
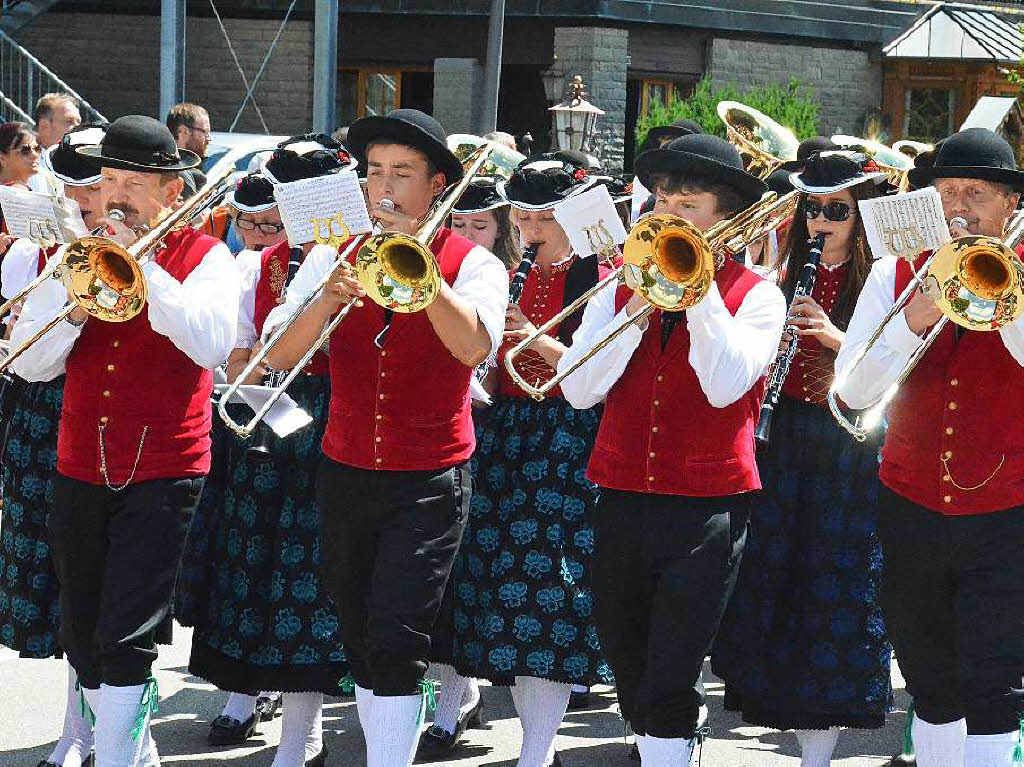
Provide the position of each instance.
(124, 377)
(270, 288)
(953, 424)
(404, 406)
(659, 433)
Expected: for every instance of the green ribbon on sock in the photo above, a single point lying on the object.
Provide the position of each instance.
(908, 734)
(1018, 749)
(429, 699)
(347, 684)
(87, 712)
(149, 704)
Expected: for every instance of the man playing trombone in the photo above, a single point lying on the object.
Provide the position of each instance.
(674, 455)
(133, 443)
(951, 522)
(394, 489)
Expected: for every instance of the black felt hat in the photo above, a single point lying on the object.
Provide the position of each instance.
(828, 172)
(544, 180)
(972, 153)
(254, 193)
(410, 127)
(779, 182)
(70, 167)
(194, 180)
(308, 156)
(705, 157)
(139, 143)
(659, 134)
(480, 196)
(808, 147)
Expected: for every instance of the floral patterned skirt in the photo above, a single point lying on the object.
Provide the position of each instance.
(270, 624)
(29, 605)
(803, 642)
(523, 603)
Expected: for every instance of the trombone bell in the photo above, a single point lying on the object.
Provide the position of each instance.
(668, 261)
(104, 279)
(398, 272)
(977, 282)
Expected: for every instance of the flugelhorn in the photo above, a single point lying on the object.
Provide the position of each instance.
(105, 279)
(763, 143)
(671, 263)
(977, 282)
(397, 271)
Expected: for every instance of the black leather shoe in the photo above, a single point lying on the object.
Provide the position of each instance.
(267, 708)
(227, 731)
(319, 760)
(436, 742)
(578, 700)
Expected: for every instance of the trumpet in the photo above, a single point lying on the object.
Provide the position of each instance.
(764, 144)
(977, 282)
(104, 278)
(671, 263)
(397, 271)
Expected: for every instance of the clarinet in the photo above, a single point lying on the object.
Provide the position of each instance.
(260, 450)
(804, 287)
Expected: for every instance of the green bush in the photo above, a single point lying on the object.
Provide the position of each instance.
(792, 106)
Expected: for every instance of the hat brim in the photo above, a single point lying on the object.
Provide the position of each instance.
(520, 205)
(485, 209)
(924, 176)
(794, 166)
(381, 128)
(878, 177)
(229, 199)
(66, 180)
(187, 160)
(751, 189)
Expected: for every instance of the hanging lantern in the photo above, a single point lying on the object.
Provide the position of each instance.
(575, 118)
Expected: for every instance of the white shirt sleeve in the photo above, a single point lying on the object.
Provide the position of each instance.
(590, 383)
(18, 267)
(44, 360)
(482, 281)
(248, 263)
(1013, 339)
(730, 352)
(199, 315)
(313, 269)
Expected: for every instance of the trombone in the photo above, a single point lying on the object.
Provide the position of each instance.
(764, 144)
(105, 279)
(977, 282)
(671, 263)
(398, 271)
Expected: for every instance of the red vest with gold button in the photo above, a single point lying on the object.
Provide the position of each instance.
(949, 446)
(659, 433)
(270, 288)
(404, 406)
(124, 377)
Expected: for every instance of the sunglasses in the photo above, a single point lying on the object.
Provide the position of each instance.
(266, 228)
(833, 211)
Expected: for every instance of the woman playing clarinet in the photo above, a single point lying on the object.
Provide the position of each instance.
(803, 645)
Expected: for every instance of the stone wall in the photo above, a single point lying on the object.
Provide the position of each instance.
(846, 82)
(458, 94)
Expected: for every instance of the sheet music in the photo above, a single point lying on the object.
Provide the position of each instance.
(905, 224)
(284, 417)
(323, 207)
(41, 218)
(591, 222)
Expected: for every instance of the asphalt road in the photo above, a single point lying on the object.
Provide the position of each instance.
(32, 706)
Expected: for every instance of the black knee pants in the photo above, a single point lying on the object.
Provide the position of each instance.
(389, 540)
(116, 556)
(953, 596)
(664, 568)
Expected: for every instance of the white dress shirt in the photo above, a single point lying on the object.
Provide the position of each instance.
(882, 365)
(248, 263)
(727, 352)
(482, 282)
(199, 316)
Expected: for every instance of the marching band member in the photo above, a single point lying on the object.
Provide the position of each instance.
(950, 519)
(674, 456)
(29, 592)
(133, 442)
(394, 487)
(481, 215)
(266, 550)
(802, 645)
(523, 604)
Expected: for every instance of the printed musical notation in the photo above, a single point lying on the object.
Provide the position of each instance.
(327, 209)
(591, 222)
(905, 225)
(44, 219)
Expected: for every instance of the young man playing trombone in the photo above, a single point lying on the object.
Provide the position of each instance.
(674, 456)
(951, 521)
(394, 489)
(133, 443)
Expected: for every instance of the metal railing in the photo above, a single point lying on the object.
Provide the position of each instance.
(24, 78)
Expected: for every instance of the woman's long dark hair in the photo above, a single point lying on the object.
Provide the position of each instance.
(860, 258)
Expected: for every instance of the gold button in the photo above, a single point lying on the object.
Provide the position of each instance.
(952, 406)
(947, 455)
(946, 478)
(383, 353)
(376, 439)
(661, 378)
(382, 396)
(947, 498)
(380, 460)
(949, 430)
(115, 344)
(382, 374)
(110, 368)
(954, 382)
(379, 416)
(106, 394)
(651, 454)
(650, 479)
(104, 419)
(656, 403)
(654, 429)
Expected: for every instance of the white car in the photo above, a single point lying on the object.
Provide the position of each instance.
(221, 143)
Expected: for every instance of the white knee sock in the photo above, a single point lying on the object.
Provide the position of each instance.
(302, 733)
(459, 694)
(394, 731)
(239, 706)
(939, 745)
(816, 746)
(666, 752)
(541, 705)
(990, 750)
(76, 738)
(119, 709)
